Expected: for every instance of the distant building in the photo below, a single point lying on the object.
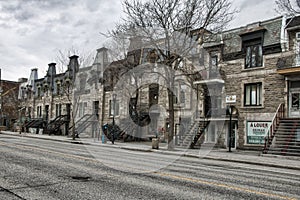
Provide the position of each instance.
(9, 103)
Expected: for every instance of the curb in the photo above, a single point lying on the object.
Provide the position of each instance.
(42, 138)
(233, 160)
(161, 152)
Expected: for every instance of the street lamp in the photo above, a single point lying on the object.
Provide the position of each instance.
(114, 113)
(231, 110)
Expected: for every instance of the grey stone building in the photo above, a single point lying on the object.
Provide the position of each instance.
(64, 103)
(259, 77)
(236, 87)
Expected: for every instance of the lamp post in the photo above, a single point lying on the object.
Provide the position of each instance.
(114, 113)
(231, 110)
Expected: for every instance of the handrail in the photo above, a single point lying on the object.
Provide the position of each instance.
(199, 133)
(274, 124)
(82, 119)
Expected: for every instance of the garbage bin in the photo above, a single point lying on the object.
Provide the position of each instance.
(155, 143)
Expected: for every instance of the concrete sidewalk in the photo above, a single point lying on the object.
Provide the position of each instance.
(247, 157)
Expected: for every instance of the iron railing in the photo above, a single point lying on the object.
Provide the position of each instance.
(273, 127)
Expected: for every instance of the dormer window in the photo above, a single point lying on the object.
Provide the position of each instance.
(254, 55)
(38, 90)
(58, 87)
(252, 46)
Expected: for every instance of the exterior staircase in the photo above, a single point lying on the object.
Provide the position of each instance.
(36, 123)
(54, 126)
(286, 140)
(83, 124)
(193, 134)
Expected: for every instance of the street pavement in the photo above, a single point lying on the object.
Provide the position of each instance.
(237, 156)
(53, 167)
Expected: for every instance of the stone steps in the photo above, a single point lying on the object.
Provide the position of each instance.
(286, 140)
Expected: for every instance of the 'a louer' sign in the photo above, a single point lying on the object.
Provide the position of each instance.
(256, 131)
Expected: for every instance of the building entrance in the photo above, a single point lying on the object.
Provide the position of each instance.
(294, 99)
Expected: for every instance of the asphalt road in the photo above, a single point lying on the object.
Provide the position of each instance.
(41, 169)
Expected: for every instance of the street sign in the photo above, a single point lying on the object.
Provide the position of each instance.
(231, 99)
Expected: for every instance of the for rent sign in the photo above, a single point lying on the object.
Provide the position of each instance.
(256, 131)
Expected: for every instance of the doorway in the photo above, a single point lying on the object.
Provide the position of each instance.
(294, 99)
(233, 135)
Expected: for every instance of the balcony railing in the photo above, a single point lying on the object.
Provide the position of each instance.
(286, 62)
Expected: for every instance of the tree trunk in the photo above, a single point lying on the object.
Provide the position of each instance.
(171, 119)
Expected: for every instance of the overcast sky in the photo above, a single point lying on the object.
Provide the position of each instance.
(33, 31)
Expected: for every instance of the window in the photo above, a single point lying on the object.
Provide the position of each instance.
(58, 88)
(82, 107)
(153, 94)
(254, 54)
(96, 107)
(112, 106)
(39, 111)
(58, 110)
(214, 61)
(82, 82)
(213, 64)
(253, 94)
(39, 91)
(29, 112)
(179, 96)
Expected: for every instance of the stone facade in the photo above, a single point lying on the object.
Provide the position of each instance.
(257, 86)
(9, 104)
(247, 68)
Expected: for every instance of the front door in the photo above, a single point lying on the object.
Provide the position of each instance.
(295, 104)
(233, 135)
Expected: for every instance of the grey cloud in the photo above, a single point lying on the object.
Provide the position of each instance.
(10, 6)
(80, 22)
(52, 4)
(93, 5)
(252, 3)
(24, 15)
(18, 10)
(23, 31)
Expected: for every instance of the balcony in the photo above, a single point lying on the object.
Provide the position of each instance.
(210, 77)
(288, 65)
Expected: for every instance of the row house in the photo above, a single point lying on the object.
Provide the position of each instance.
(237, 89)
(55, 102)
(258, 84)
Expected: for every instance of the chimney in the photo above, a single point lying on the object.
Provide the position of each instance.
(101, 58)
(73, 63)
(32, 78)
(51, 69)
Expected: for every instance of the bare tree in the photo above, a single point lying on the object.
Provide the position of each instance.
(289, 7)
(118, 47)
(169, 27)
(62, 58)
(67, 86)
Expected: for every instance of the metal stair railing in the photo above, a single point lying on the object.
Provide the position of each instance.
(190, 133)
(273, 127)
(35, 123)
(55, 124)
(83, 123)
(195, 131)
(199, 132)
